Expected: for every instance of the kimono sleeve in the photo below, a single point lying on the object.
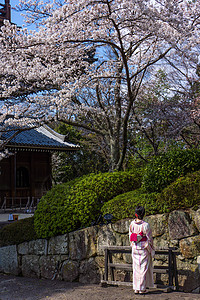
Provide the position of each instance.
(131, 230)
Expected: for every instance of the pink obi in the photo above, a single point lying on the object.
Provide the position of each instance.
(137, 237)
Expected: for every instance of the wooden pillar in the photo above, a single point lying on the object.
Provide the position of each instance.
(13, 175)
(50, 166)
(31, 174)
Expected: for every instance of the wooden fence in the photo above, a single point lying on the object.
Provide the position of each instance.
(170, 269)
(26, 204)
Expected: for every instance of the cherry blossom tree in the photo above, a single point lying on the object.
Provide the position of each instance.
(89, 61)
(166, 115)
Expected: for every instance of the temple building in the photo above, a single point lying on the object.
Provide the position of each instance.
(27, 173)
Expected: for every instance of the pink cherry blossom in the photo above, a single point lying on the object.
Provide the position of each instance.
(89, 61)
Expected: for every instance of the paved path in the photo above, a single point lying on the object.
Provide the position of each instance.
(5, 216)
(21, 288)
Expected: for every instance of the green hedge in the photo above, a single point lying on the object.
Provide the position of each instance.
(123, 206)
(18, 232)
(73, 204)
(183, 193)
(76, 204)
(166, 168)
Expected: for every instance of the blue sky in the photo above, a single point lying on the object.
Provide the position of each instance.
(16, 16)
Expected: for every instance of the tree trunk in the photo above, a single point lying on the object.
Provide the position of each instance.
(114, 154)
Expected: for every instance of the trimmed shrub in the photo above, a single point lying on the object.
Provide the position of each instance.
(76, 204)
(166, 168)
(18, 232)
(183, 193)
(123, 206)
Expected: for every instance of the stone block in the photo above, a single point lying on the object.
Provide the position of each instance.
(30, 266)
(189, 279)
(64, 257)
(38, 247)
(197, 219)
(185, 265)
(106, 237)
(180, 225)
(9, 260)
(125, 241)
(161, 242)
(23, 248)
(127, 258)
(100, 261)
(121, 226)
(82, 243)
(174, 243)
(70, 270)
(121, 239)
(91, 241)
(188, 274)
(89, 272)
(198, 262)
(190, 247)
(158, 224)
(50, 266)
(77, 246)
(58, 245)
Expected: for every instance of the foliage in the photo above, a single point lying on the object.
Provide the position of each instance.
(68, 166)
(163, 118)
(136, 164)
(18, 232)
(149, 106)
(183, 193)
(123, 206)
(77, 203)
(167, 167)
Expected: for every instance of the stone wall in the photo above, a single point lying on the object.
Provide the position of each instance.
(79, 255)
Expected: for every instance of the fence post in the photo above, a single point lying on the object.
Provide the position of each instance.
(106, 264)
(4, 204)
(12, 202)
(175, 271)
(28, 203)
(32, 203)
(170, 262)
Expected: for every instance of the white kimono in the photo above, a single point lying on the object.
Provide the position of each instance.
(142, 253)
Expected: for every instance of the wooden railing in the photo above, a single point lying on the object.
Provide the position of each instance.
(170, 269)
(19, 203)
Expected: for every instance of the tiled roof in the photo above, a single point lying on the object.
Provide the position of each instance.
(39, 138)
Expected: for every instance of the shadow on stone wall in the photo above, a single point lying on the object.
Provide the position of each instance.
(188, 280)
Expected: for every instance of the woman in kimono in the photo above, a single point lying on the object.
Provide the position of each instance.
(142, 252)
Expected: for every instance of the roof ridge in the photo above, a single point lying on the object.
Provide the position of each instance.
(61, 136)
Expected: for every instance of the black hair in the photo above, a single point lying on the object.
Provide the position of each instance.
(140, 211)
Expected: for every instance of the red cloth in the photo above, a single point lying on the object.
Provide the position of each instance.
(134, 237)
